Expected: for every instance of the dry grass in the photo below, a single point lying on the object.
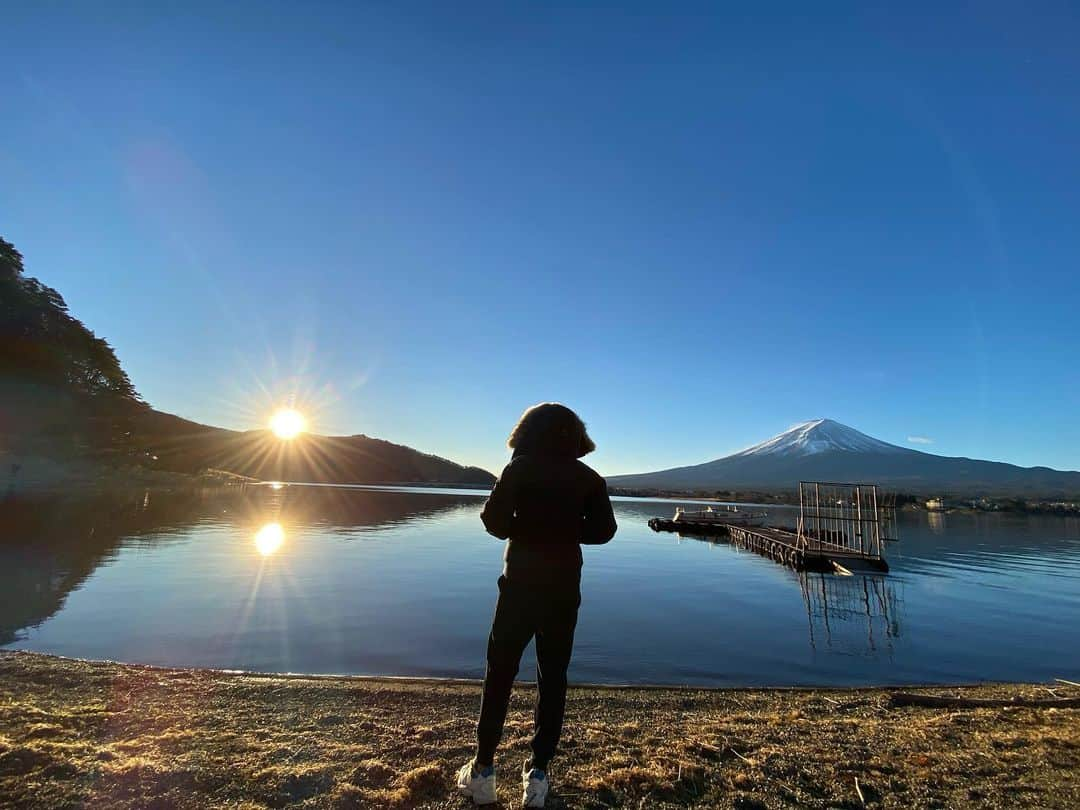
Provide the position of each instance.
(77, 734)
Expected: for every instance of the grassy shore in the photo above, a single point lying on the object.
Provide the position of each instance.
(87, 734)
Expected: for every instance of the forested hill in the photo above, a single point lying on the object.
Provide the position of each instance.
(64, 397)
(61, 386)
(182, 446)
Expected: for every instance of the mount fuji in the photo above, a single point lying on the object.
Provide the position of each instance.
(825, 450)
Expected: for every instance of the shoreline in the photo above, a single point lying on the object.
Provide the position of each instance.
(40, 476)
(457, 680)
(89, 733)
(31, 476)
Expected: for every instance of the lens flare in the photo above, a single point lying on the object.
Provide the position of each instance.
(288, 423)
(269, 538)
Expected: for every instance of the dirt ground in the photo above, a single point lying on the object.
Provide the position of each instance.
(99, 735)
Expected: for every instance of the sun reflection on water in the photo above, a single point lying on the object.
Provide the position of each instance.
(269, 538)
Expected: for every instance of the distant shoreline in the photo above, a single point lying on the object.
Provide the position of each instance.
(42, 475)
(45, 475)
(907, 501)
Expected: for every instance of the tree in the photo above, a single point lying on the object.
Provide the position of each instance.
(41, 342)
(43, 345)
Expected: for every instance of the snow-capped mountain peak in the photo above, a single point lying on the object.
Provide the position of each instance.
(824, 450)
(819, 436)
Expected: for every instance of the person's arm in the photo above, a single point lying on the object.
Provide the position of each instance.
(599, 524)
(498, 511)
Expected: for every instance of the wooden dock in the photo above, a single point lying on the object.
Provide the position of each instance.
(842, 528)
(781, 545)
(802, 553)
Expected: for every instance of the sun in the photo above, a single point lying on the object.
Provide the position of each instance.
(288, 423)
(269, 538)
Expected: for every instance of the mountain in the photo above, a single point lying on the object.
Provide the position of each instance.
(64, 398)
(825, 450)
(178, 445)
(819, 436)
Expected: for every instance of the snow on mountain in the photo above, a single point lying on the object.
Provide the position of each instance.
(819, 436)
(824, 450)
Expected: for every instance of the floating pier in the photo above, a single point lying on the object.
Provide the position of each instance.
(842, 528)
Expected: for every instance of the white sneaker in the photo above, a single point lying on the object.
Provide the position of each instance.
(535, 784)
(479, 784)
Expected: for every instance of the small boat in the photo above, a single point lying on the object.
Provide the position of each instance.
(721, 515)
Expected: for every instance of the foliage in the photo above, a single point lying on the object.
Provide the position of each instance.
(41, 342)
(59, 380)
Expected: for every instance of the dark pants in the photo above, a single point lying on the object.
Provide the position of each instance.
(524, 611)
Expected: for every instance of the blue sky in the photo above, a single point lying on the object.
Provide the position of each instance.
(696, 227)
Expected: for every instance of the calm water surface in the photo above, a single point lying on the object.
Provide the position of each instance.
(400, 581)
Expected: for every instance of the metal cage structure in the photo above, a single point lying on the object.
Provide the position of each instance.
(845, 519)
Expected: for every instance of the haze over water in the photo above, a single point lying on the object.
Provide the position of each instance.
(402, 582)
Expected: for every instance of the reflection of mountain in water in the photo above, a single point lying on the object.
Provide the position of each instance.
(50, 545)
(346, 508)
(857, 615)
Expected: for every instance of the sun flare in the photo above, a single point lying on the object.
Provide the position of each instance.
(269, 538)
(288, 423)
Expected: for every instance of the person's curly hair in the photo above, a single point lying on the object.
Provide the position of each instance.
(550, 428)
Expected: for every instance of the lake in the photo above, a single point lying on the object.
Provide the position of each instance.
(402, 581)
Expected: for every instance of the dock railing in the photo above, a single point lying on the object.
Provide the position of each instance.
(845, 519)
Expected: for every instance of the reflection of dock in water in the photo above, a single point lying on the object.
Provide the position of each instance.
(853, 614)
(858, 615)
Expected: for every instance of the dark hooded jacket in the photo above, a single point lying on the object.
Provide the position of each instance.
(547, 504)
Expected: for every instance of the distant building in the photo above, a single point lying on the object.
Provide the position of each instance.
(935, 505)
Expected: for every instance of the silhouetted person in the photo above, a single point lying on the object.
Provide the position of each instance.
(546, 503)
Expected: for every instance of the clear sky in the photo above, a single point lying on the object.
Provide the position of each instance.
(696, 227)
